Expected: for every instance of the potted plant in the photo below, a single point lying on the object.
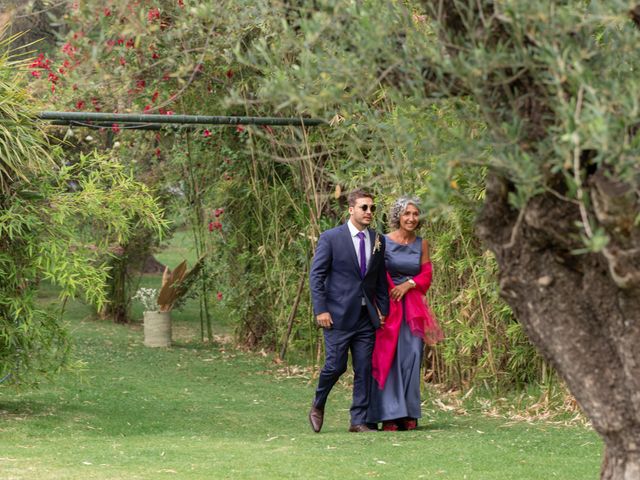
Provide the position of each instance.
(158, 304)
(157, 323)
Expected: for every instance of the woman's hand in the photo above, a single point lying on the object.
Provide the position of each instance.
(398, 291)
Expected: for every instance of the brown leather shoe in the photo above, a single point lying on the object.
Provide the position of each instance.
(316, 417)
(361, 428)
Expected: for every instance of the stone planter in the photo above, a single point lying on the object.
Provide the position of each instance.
(157, 329)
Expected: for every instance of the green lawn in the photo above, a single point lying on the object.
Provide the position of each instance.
(214, 412)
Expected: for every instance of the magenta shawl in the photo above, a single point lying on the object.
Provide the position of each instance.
(418, 317)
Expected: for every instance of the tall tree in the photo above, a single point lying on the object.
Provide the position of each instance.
(558, 87)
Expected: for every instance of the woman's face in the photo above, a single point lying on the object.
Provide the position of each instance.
(410, 218)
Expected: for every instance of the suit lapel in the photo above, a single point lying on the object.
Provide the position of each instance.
(349, 246)
(372, 240)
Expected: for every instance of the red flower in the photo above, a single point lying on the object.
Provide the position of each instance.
(168, 112)
(122, 61)
(41, 62)
(62, 71)
(141, 84)
(130, 43)
(147, 108)
(240, 129)
(80, 104)
(155, 56)
(219, 295)
(69, 49)
(53, 78)
(218, 212)
(215, 226)
(181, 3)
(229, 73)
(120, 41)
(115, 128)
(153, 14)
(107, 12)
(158, 152)
(165, 76)
(154, 97)
(206, 133)
(35, 73)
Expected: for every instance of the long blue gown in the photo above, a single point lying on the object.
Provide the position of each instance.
(401, 395)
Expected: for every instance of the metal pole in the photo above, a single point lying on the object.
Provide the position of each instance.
(125, 118)
(123, 126)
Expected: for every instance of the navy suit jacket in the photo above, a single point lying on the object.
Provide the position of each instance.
(335, 283)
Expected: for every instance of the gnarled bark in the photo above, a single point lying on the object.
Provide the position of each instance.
(582, 311)
(580, 318)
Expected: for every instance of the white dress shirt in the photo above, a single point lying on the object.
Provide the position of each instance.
(356, 242)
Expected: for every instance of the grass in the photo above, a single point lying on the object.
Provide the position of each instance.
(202, 412)
(199, 411)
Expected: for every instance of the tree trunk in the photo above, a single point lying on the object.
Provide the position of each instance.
(621, 464)
(575, 312)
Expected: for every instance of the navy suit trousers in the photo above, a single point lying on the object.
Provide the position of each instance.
(338, 343)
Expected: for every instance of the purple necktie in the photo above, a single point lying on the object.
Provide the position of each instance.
(363, 255)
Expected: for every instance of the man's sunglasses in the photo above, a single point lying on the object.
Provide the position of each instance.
(366, 208)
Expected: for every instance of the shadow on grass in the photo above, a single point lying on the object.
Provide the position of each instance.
(21, 409)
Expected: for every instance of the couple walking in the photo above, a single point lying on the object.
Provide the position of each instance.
(368, 296)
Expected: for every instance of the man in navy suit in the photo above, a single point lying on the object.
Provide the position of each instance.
(350, 300)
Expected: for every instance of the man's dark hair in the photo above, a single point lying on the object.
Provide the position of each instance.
(355, 195)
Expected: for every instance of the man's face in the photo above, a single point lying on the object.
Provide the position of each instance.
(361, 213)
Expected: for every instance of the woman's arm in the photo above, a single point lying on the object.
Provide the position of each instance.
(425, 253)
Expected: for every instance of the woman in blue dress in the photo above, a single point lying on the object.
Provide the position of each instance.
(395, 397)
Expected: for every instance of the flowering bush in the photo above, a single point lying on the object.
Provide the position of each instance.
(148, 297)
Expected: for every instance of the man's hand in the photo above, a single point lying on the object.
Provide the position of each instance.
(324, 320)
(382, 320)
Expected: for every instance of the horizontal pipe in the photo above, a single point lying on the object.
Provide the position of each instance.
(122, 126)
(181, 119)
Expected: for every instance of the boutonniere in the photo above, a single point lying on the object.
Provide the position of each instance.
(376, 243)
